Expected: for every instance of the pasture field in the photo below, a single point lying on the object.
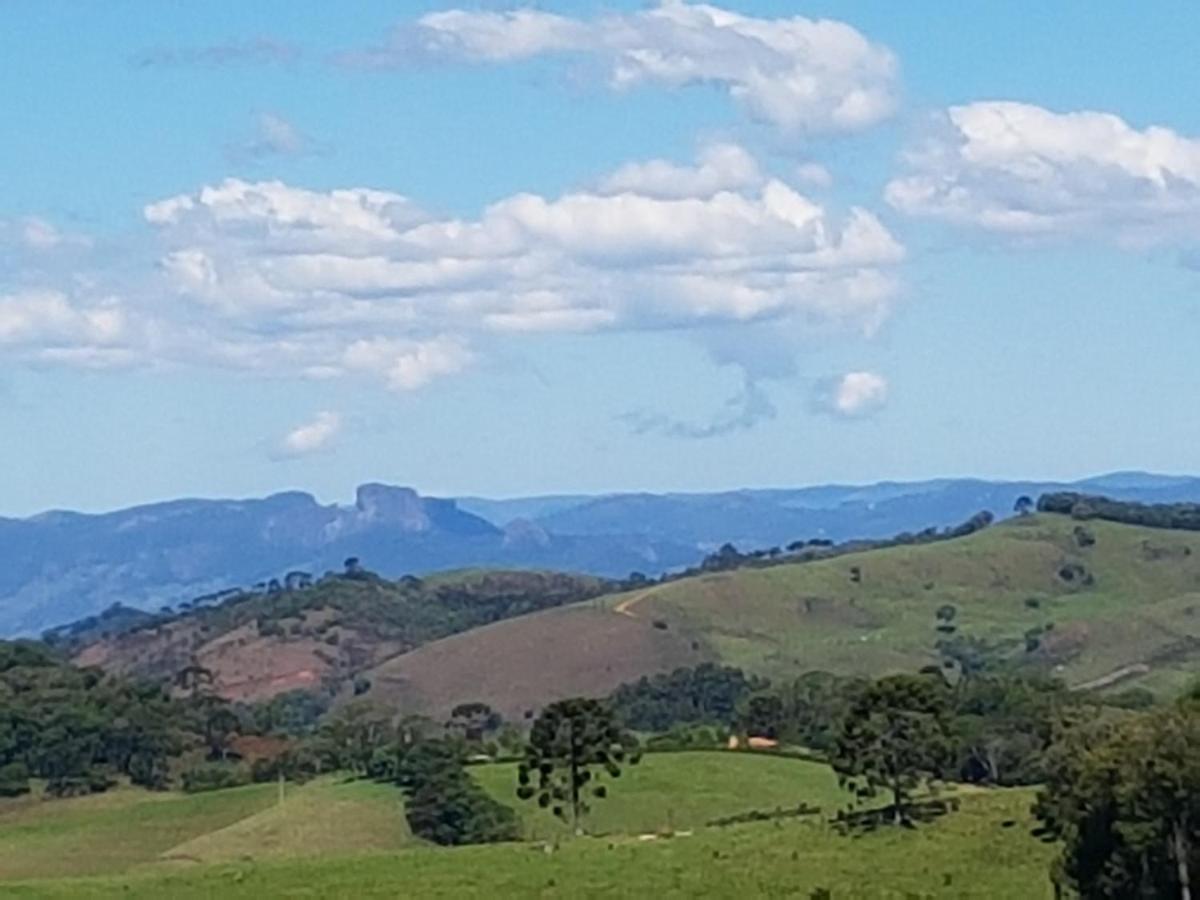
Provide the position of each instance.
(673, 791)
(983, 850)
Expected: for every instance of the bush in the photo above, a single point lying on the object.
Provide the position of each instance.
(149, 770)
(213, 777)
(94, 781)
(14, 780)
(453, 809)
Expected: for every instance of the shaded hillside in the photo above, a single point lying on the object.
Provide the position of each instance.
(1044, 593)
(60, 567)
(319, 636)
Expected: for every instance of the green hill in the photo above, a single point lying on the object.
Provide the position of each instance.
(1093, 600)
(1097, 603)
(983, 850)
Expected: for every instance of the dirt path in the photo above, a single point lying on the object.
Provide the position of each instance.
(625, 607)
(1113, 677)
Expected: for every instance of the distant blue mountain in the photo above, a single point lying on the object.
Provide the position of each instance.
(61, 566)
(767, 517)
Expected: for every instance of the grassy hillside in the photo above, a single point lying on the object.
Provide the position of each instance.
(126, 829)
(329, 816)
(1104, 603)
(1112, 596)
(114, 831)
(984, 850)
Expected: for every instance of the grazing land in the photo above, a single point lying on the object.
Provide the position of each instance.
(1044, 593)
(671, 791)
(984, 849)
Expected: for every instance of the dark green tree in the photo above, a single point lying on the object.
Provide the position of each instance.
(350, 737)
(1124, 801)
(572, 745)
(895, 738)
(473, 721)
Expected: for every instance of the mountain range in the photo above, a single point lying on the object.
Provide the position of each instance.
(62, 566)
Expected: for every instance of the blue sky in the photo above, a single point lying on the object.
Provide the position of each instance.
(481, 248)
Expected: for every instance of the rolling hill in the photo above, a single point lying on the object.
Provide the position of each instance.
(60, 566)
(1096, 603)
(316, 636)
(333, 838)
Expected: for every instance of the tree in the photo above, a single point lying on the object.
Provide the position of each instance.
(473, 721)
(1124, 800)
(353, 734)
(445, 805)
(1023, 506)
(193, 679)
(894, 738)
(220, 724)
(573, 744)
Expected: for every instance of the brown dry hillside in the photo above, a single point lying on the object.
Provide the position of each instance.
(521, 664)
(320, 636)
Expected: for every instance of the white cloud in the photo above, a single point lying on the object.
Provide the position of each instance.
(273, 136)
(802, 75)
(658, 244)
(1019, 169)
(721, 167)
(815, 174)
(39, 235)
(853, 395)
(311, 437)
(44, 318)
(407, 365)
(273, 278)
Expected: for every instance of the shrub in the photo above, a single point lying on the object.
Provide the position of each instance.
(14, 780)
(452, 809)
(213, 777)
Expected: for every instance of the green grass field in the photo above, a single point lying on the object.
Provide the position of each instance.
(334, 838)
(114, 831)
(681, 791)
(983, 850)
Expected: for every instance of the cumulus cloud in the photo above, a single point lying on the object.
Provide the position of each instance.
(360, 282)
(311, 437)
(1018, 169)
(658, 244)
(38, 234)
(802, 75)
(49, 320)
(721, 167)
(407, 365)
(273, 136)
(853, 395)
